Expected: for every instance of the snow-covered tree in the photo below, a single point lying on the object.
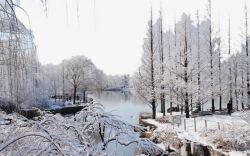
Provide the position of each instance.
(247, 55)
(19, 63)
(147, 79)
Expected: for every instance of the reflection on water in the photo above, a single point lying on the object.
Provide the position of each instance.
(123, 104)
(128, 108)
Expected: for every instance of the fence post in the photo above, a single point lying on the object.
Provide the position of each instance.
(195, 124)
(173, 122)
(185, 128)
(206, 124)
(179, 122)
(218, 125)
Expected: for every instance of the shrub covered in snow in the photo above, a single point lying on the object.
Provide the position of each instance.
(87, 133)
(164, 119)
(232, 138)
(167, 136)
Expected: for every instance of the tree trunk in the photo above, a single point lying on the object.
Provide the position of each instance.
(247, 57)
(186, 105)
(163, 104)
(230, 107)
(74, 94)
(153, 109)
(235, 84)
(220, 81)
(152, 67)
(171, 106)
(162, 67)
(170, 72)
(211, 56)
(84, 96)
(220, 103)
(176, 68)
(186, 102)
(242, 89)
(191, 102)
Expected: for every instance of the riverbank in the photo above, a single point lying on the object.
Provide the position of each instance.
(214, 135)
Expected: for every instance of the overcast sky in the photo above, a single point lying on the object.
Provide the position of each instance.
(111, 32)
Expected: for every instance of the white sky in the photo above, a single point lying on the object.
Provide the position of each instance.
(111, 32)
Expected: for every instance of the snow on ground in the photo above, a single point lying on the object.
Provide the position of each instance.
(224, 132)
(239, 153)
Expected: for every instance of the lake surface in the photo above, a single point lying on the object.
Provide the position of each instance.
(128, 108)
(125, 105)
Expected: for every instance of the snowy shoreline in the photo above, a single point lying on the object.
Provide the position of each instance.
(220, 129)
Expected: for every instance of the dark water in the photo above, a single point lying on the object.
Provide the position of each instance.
(128, 108)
